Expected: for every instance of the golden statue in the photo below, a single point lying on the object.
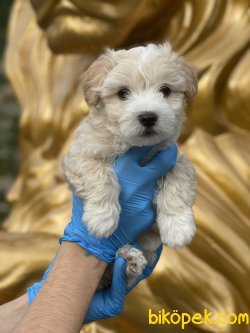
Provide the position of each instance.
(50, 43)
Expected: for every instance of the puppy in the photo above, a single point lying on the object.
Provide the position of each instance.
(137, 98)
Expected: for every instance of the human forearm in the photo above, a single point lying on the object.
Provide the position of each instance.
(12, 312)
(64, 298)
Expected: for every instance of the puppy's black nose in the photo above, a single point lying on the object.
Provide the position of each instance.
(148, 119)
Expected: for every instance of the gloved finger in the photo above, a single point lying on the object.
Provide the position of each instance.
(77, 207)
(110, 302)
(119, 280)
(135, 154)
(163, 161)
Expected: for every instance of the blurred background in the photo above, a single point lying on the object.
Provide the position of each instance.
(9, 115)
(49, 44)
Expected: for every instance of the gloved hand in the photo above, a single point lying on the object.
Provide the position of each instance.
(138, 185)
(108, 302)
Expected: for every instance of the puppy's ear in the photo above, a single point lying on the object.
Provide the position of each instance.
(188, 70)
(190, 73)
(94, 76)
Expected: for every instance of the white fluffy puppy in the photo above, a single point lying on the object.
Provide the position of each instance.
(137, 98)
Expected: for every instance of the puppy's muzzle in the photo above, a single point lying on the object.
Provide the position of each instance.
(148, 119)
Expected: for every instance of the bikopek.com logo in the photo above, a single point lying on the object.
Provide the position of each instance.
(164, 317)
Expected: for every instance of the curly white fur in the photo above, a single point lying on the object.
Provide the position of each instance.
(112, 127)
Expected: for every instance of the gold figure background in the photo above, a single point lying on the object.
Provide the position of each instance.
(50, 43)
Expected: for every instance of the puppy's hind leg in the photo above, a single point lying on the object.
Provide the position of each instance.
(135, 260)
(149, 242)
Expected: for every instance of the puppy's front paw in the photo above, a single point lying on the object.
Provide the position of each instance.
(177, 230)
(136, 262)
(102, 220)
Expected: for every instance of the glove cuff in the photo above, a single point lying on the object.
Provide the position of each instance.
(72, 235)
(33, 291)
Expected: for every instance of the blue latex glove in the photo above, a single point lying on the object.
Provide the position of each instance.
(108, 302)
(138, 185)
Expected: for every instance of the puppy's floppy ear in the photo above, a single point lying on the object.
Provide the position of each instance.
(190, 73)
(188, 70)
(94, 76)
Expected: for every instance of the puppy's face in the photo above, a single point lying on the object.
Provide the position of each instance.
(141, 92)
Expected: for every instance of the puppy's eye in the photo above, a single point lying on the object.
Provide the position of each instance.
(123, 93)
(166, 91)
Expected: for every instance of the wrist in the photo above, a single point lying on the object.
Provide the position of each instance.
(87, 258)
(69, 249)
(88, 243)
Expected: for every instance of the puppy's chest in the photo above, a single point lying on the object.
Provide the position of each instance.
(110, 153)
(104, 146)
